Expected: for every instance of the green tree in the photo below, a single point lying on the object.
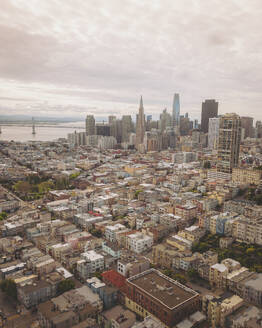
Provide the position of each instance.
(65, 285)
(3, 216)
(74, 175)
(168, 272)
(98, 275)
(8, 286)
(192, 274)
(137, 193)
(96, 233)
(180, 278)
(23, 187)
(250, 250)
(45, 186)
(62, 183)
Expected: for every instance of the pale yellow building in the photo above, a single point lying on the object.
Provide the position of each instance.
(246, 176)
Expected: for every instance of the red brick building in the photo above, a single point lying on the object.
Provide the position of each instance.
(151, 292)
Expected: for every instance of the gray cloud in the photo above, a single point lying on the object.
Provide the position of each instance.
(76, 55)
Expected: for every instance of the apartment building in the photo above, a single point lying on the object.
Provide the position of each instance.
(130, 266)
(186, 211)
(96, 260)
(111, 231)
(218, 272)
(139, 242)
(163, 255)
(243, 176)
(33, 294)
(192, 233)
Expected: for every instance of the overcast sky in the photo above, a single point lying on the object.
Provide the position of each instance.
(78, 57)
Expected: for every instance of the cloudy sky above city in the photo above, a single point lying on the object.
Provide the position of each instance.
(75, 57)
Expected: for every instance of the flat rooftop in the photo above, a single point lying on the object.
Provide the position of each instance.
(164, 289)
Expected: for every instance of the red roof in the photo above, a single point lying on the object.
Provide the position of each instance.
(94, 213)
(114, 278)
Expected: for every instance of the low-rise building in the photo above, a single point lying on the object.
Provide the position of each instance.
(33, 294)
(151, 292)
(139, 242)
(244, 176)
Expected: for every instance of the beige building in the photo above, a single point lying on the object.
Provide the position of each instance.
(192, 233)
(163, 255)
(218, 309)
(246, 176)
(218, 272)
(186, 211)
(228, 142)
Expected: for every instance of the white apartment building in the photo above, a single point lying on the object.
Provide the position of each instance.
(90, 263)
(138, 242)
(183, 157)
(112, 230)
(96, 260)
(213, 132)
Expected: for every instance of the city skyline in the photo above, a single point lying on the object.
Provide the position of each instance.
(81, 58)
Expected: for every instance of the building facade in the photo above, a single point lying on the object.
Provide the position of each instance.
(176, 110)
(90, 125)
(209, 110)
(213, 132)
(247, 124)
(229, 142)
(151, 292)
(140, 125)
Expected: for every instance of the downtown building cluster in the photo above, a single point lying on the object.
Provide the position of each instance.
(148, 226)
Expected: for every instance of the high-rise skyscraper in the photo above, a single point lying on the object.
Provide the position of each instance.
(213, 132)
(258, 130)
(209, 110)
(247, 124)
(115, 128)
(165, 120)
(102, 129)
(140, 125)
(126, 127)
(185, 126)
(176, 110)
(228, 142)
(90, 125)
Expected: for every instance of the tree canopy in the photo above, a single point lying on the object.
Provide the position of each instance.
(8, 286)
(65, 285)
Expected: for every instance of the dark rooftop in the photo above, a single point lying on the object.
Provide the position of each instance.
(167, 291)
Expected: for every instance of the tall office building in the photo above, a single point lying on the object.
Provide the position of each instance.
(258, 130)
(102, 129)
(126, 127)
(185, 126)
(176, 110)
(213, 132)
(228, 142)
(209, 110)
(112, 124)
(165, 120)
(247, 124)
(115, 128)
(90, 125)
(111, 119)
(140, 125)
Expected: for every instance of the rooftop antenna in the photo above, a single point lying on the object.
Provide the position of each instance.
(33, 126)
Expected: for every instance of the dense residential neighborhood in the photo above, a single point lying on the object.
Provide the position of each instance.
(118, 238)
